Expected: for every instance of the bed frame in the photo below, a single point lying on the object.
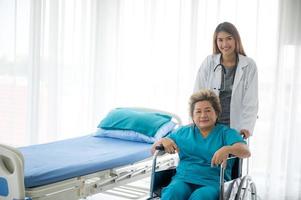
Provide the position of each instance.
(12, 176)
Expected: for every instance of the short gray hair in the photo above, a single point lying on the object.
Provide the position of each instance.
(205, 95)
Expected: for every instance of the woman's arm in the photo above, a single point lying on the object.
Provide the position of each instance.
(250, 102)
(168, 144)
(240, 150)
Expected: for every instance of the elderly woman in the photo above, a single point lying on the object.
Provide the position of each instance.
(201, 147)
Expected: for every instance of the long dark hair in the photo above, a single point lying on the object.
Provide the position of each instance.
(231, 29)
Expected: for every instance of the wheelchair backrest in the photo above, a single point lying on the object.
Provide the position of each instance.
(237, 168)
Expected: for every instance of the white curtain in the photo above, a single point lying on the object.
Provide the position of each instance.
(279, 143)
(65, 64)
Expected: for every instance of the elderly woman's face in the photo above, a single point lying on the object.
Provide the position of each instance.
(204, 115)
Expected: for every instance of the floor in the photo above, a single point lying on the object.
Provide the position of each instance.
(138, 190)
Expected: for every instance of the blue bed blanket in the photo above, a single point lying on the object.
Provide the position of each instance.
(57, 161)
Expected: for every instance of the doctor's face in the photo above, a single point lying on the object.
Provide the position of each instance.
(225, 43)
(204, 115)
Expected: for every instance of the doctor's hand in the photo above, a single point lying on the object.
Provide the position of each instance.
(245, 133)
(168, 144)
(221, 156)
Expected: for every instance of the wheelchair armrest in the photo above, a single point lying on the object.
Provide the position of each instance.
(159, 151)
(234, 174)
(229, 158)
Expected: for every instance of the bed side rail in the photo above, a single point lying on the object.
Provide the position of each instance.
(11, 173)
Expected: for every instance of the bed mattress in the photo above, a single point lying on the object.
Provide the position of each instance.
(61, 160)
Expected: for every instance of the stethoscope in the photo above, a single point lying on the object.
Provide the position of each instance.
(223, 85)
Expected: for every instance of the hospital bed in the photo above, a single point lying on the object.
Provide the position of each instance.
(238, 188)
(76, 168)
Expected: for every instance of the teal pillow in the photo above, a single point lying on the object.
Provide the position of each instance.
(130, 119)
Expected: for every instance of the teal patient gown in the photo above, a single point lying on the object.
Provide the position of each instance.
(195, 177)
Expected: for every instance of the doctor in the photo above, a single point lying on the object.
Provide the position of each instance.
(233, 77)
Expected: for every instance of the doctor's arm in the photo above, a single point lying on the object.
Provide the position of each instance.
(250, 103)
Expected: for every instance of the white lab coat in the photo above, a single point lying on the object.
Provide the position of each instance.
(244, 99)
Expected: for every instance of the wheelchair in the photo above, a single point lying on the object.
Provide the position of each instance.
(238, 188)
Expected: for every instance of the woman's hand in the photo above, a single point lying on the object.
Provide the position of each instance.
(245, 133)
(168, 144)
(221, 156)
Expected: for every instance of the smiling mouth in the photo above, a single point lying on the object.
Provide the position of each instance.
(226, 49)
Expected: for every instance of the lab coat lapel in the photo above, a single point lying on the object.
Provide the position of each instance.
(239, 72)
(217, 75)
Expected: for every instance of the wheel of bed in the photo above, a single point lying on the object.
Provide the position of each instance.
(117, 153)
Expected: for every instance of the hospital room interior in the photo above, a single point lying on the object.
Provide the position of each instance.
(65, 66)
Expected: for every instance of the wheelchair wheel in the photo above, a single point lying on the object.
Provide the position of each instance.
(246, 190)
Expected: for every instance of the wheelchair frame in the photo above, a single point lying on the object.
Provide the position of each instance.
(239, 188)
